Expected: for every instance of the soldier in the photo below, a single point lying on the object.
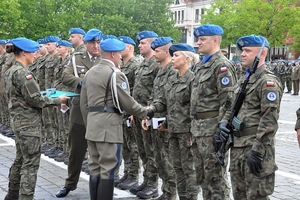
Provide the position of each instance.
(296, 78)
(281, 73)
(160, 139)
(25, 99)
(274, 68)
(63, 50)
(130, 152)
(76, 39)
(72, 76)
(211, 101)
(288, 76)
(102, 113)
(174, 98)
(142, 89)
(252, 157)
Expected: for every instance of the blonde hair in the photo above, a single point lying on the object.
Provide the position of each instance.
(194, 58)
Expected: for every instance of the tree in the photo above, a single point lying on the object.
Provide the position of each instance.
(269, 18)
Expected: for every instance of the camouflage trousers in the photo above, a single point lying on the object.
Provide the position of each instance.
(51, 125)
(63, 128)
(145, 147)
(163, 162)
(183, 163)
(130, 153)
(211, 176)
(245, 185)
(4, 113)
(23, 172)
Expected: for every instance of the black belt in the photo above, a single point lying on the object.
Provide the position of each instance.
(104, 109)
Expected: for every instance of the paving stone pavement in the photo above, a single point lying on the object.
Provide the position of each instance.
(52, 174)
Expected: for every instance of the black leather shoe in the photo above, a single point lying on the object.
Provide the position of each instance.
(135, 190)
(64, 192)
(148, 193)
(128, 184)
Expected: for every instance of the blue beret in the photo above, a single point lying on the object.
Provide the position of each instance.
(127, 40)
(77, 31)
(2, 41)
(145, 34)
(51, 39)
(161, 41)
(64, 43)
(251, 41)
(112, 45)
(25, 44)
(41, 41)
(208, 30)
(93, 35)
(109, 36)
(180, 47)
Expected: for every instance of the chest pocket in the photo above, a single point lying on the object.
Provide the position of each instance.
(206, 85)
(148, 77)
(183, 94)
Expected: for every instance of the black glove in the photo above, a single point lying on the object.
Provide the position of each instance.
(224, 131)
(217, 142)
(150, 114)
(80, 83)
(254, 162)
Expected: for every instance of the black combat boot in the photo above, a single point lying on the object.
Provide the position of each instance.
(105, 189)
(12, 195)
(94, 182)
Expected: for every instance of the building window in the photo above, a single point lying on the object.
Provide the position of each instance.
(196, 15)
(202, 11)
(182, 16)
(178, 16)
(175, 16)
(177, 2)
(183, 38)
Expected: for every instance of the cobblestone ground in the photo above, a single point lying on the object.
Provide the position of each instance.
(52, 174)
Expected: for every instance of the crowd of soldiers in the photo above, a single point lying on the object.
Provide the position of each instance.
(170, 81)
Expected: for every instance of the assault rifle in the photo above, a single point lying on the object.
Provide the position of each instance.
(234, 124)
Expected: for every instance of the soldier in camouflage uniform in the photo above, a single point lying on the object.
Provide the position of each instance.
(25, 101)
(142, 89)
(211, 101)
(160, 139)
(174, 98)
(288, 76)
(63, 49)
(281, 73)
(296, 78)
(252, 157)
(4, 114)
(72, 76)
(130, 152)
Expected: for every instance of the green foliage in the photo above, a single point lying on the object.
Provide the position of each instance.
(273, 19)
(38, 18)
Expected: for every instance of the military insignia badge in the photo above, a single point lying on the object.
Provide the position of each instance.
(241, 43)
(124, 85)
(271, 96)
(223, 69)
(225, 80)
(270, 83)
(28, 77)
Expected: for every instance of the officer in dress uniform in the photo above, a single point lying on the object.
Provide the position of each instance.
(105, 95)
(72, 76)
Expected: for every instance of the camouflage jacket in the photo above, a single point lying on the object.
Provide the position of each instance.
(212, 94)
(34, 66)
(144, 78)
(175, 99)
(41, 71)
(24, 100)
(49, 70)
(129, 70)
(58, 74)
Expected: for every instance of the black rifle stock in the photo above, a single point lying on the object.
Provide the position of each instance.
(233, 121)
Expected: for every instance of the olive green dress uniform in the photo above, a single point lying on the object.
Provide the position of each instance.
(211, 101)
(175, 99)
(76, 141)
(25, 103)
(295, 79)
(142, 89)
(161, 138)
(259, 112)
(104, 129)
(281, 75)
(130, 150)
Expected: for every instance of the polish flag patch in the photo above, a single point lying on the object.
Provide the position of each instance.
(270, 83)
(223, 69)
(28, 77)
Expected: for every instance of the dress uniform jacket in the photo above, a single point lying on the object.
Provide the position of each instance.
(83, 64)
(106, 126)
